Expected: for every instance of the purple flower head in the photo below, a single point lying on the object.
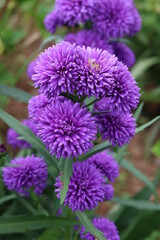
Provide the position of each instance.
(96, 69)
(52, 21)
(31, 66)
(109, 192)
(55, 72)
(36, 106)
(38, 103)
(106, 164)
(66, 129)
(115, 126)
(89, 39)
(12, 135)
(87, 187)
(116, 18)
(123, 94)
(26, 174)
(124, 54)
(104, 225)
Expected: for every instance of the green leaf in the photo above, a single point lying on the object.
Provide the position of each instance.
(123, 216)
(65, 178)
(15, 93)
(139, 204)
(138, 111)
(142, 226)
(152, 96)
(27, 205)
(28, 136)
(96, 149)
(18, 224)
(138, 174)
(156, 149)
(141, 128)
(89, 227)
(7, 198)
(142, 65)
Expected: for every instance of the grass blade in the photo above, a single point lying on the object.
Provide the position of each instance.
(138, 174)
(89, 226)
(27, 135)
(141, 128)
(15, 93)
(96, 149)
(18, 224)
(139, 204)
(65, 178)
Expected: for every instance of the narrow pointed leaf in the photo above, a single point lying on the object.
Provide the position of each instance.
(141, 128)
(96, 149)
(89, 226)
(15, 93)
(16, 224)
(138, 111)
(138, 174)
(139, 204)
(7, 198)
(65, 178)
(27, 135)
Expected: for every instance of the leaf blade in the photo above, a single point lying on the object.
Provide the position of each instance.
(96, 149)
(89, 226)
(66, 179)
(144, 126)
(27, 135)
(15, 93)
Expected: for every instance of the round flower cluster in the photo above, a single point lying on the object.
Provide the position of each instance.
(69, 13)
(87, 185)
(13, 137)
(110, 18)
(104, 225)
(25, 174)
(67, 128)
(116, 18)
(86, 71)
(92, 39)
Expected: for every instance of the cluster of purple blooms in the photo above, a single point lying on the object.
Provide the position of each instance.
(81, 67)
(88, 185)
(110, 20)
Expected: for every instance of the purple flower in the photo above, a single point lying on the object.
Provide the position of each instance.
(69, 13)
(66, 129)
(25, 174)
(89, 39)
(87, 187)
(106, 164)
(104, 225)
(124, 54)
(123, 94)
(38, 103)
(109, 192)
(31, 66)
(115, 126)
(55, 72)
(96, 69)
(52, 21)
(36, 106)
(116, 18)
(13, 136)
